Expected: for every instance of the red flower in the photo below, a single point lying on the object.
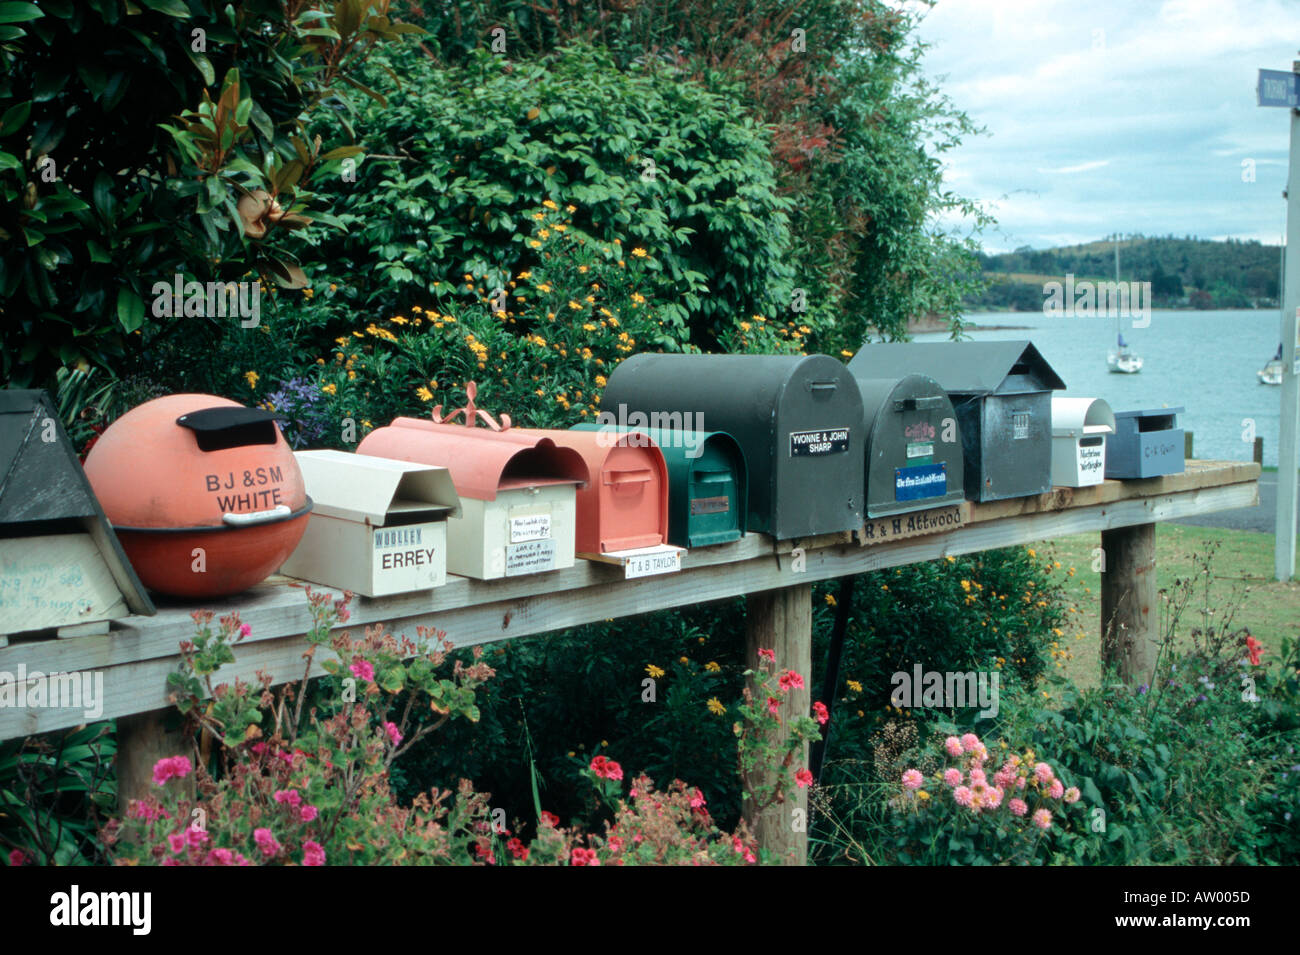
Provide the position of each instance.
(584, 857)
(772, 704)
(821, 713)
(790, 680)
(1255, 648)
(606, 768)
(767, 655)
(804, 778)
(517, 849)
(550, 819)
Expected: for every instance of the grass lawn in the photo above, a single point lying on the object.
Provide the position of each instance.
(1244, 560)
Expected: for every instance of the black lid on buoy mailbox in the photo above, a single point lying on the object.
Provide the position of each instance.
(797, 418)
(1002, 394)
(914, 457)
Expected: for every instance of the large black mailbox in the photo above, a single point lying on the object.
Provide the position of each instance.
(797, 418)
(1002, 394)
(914, 456)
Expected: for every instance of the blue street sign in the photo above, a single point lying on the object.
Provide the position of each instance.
(1278, 88)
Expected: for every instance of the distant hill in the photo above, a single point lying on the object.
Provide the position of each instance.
(1184, 273)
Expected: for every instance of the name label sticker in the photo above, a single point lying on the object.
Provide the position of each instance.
(530, 557)
(533, 527)
(812, 443)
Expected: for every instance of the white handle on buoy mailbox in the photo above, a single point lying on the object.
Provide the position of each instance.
(277, 513)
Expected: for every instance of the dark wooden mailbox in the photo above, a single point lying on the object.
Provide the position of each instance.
(910, 466)
(61, 565)
(706, 483)
(797, 419)
(1002, 394)
(1145, 444)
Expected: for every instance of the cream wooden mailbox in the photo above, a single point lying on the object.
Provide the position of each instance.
(517, 492)
(61, 566)
(1079, 430)
(379, 526)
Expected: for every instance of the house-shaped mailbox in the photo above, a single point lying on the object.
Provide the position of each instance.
(910, 466)
(1145, 444)
(517, 494)
(797, 419)
(379, 526)
(1079, 430)
(61, 566)
(624, 503)
(706, 484)
(1002, 394)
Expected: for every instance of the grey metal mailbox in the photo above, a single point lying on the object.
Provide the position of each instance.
(1002, 394)
(797, 418)
(909, 465)
(1145, 444)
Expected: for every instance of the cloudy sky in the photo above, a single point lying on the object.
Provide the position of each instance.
(1116, 115)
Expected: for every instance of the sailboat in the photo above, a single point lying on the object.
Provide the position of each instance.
(1121, 359)
(1271, 373)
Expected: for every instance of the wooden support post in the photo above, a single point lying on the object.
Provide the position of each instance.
(142, 740)
(1130, 617)
(781, 620)
(1259, 451)
(1187, 444)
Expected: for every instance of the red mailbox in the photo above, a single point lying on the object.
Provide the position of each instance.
(625, 503)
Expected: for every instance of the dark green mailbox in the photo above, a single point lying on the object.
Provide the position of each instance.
(706, 483)
(1002, 394)
(797, 419)
(914, 456)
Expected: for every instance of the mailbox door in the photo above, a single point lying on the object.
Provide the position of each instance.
(818, 454)
(1016, 451)
(713, 508)
(910, 465)
(629, 500)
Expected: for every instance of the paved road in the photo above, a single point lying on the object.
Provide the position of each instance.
(1257, 518)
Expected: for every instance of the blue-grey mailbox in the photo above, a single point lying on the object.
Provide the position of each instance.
(1145, 444)
(1002, 395)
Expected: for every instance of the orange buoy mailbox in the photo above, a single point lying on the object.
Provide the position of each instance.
(625, 503)
(204, 494)
(517, 493)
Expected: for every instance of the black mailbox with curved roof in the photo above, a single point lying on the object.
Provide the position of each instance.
(1002, 394)
(798, 419)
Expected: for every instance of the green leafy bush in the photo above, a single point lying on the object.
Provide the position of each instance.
(461, 156)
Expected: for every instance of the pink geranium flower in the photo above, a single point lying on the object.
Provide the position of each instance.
(289, 796)
(769, 655)
(308, 813)
(821, 713)
(394, 734)
(176, 841)
(362, 670)
(312, 853)
(804, 778)
(269, 845)
(171, 767)
(583, 857)
(245, 630)
(773, 704)
(789, 680)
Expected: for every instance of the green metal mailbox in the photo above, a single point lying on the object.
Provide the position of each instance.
(914, 459)
(706, 483)
(1002, 394)
(797, 419)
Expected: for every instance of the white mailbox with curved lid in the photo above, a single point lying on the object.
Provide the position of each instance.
(1079, 430)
